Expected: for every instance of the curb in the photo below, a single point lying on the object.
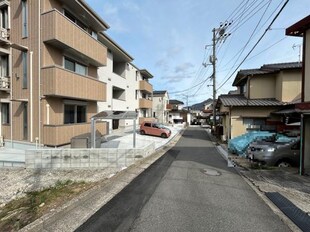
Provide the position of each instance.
(104, 192)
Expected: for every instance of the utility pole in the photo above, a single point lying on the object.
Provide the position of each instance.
(213, 61)
(219, 35)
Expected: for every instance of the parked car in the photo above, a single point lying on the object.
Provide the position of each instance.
(275, 154)
(157, 129)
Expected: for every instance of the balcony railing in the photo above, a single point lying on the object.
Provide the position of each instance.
(145, 86)
(61, 82)
(145, 103)
(5, 83)
(61, 32)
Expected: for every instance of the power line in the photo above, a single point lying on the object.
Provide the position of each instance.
(262, 36)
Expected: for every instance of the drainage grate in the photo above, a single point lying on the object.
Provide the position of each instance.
(299, 217)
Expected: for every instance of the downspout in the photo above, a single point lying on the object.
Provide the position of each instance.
(31, 97)
(39, 71)
(11, 94)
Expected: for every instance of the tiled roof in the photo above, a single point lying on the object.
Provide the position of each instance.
(240, 100)
(265, 69)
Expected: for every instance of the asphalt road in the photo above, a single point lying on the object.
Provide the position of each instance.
(190, 188)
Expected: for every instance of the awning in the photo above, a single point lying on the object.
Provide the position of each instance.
(116, 115)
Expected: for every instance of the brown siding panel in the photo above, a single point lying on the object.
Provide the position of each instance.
(145, 104)
(60, 82)
(60, 135)
(145, 86)
(60, 31)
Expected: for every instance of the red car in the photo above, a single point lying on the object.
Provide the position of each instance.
(153, 128)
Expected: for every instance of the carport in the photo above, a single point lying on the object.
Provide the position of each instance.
(105, 115)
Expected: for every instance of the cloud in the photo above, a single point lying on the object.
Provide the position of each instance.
(174, 51)
(176, 78)
(183, 67)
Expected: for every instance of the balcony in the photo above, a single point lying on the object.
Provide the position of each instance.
(56, 135)
(145, 103)
(145, 86)
(63, 83)
(61, 32)
(5, 84)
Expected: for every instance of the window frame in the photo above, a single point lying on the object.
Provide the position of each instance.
(75, 63)
(25, 70)
(5, 113)
(24, 18)
(76, 116)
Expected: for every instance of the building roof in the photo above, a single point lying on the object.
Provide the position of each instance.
(118, 51)
(159, 92)
(240, 100)
(265, 69)
(146, 73)
(176, 102)
(299, 28)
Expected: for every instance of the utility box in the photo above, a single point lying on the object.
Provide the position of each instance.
(84, 140)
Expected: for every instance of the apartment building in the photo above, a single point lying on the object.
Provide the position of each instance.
(128, 87)
(160, 102)
(49, 86)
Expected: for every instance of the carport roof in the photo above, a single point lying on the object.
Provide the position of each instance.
(116, 115)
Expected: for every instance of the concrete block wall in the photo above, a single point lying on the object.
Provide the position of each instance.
(85, 158)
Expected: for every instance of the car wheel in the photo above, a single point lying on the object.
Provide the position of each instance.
(163, 135)
(284, 164)
(142, 132)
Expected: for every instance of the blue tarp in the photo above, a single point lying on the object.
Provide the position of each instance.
(239, 144)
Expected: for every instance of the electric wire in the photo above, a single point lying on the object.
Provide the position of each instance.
(262, 36)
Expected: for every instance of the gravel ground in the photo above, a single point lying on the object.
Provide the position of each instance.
(15, 182)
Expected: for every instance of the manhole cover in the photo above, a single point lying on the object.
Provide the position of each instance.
(211, 172)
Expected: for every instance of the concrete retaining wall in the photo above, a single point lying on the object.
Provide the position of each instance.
(85, 158)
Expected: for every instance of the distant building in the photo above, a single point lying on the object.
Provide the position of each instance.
(160, 102)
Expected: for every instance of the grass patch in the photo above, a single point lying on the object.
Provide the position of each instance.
(21, 212)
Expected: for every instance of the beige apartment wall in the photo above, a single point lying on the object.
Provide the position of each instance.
(31, 42)
(238, 113)
(307, 67)
(289, 81)
(64, 83)
(48, 5)
(56, 111)
(262, 86)
(60, 135)
(51, 56)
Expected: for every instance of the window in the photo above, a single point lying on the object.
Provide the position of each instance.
(4, 66)
(74, 113)
(118, 93)
(24, 18)
(25, 70)
(5, 113)
(4, 18)
(75, 66)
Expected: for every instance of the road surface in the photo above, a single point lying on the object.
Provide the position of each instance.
(190, 188)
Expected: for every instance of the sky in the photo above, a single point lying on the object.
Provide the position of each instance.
(172, 38)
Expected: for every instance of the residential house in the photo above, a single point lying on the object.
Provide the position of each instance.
(160, 102)
(302, 29)
(177, 114)
(50, 54)
(260, 93)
